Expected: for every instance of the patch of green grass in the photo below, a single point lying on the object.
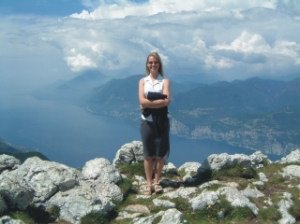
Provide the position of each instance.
(131, 199)
(171, 175)
(123, 221)
(182, 173)
(21, 215)
(131, 169)
(236, 171)
(213, 187)
(33, 215)
(126, 187)
(54, 212)
(270, 213)
(243, 184)
(295, 209)
(156, 220)
(271, 169)
(276, 179)
(182, 204)
(221, 212)
(293, 163)
(241, 213)
(94, 218)
(206, 215)
(39, 214)
(98, 218)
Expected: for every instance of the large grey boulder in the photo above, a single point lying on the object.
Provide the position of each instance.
(183, 192)
(35, 181)
(258, 159)
(205, 199)
(163, 203)
(293, 157)
(237, 198)
(46, 178)
(101, 169)
(173, 216)
(102, 177)
(224, 160)
(8, 162)
(78, 202)
(129, 153)
(191, 171)
(16, 194)
(291, 171)
(94, 192)
(252, 192)
(169, 168)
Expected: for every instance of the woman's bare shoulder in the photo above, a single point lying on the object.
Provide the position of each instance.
(166, 80)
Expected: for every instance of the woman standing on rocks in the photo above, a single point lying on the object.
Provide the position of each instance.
(154, 98)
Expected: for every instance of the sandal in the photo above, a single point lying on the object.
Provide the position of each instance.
(158, 189)
(148, 190)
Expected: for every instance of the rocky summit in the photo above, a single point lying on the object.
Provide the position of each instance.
(223, 188)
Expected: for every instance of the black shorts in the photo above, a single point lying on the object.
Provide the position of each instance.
(155, 138)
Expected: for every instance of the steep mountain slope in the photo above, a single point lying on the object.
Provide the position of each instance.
(117, 98)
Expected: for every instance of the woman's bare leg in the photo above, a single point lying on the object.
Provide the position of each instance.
(148, 166)
(159, 166)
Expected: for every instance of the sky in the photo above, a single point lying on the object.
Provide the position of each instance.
(49, 41)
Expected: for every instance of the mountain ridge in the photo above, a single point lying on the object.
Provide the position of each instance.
(19, 152)
(249, 113)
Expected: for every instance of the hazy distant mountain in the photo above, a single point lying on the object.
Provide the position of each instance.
(118, 98)
(87, 79)
(76, 90)
(255, 113)
(240, 98)
(19, 152)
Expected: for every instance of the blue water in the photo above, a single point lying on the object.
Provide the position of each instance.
(69, 134)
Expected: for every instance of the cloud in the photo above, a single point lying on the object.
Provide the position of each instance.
(289, 49)
(247, 43)
(80, 62)
(219, 40)
(253, 48)
(204, 36)
(122, 8)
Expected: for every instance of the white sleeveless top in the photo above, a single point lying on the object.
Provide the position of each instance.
(151, 85)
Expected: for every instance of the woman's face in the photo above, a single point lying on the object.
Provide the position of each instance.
(153, 65)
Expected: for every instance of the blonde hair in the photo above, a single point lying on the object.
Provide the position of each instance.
(157, 57)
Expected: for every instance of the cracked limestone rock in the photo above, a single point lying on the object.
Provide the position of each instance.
(130, 153)
(293, 157)
(291, 171)
(205, 199)
(8, 162)
(191, 171)
(284, 205)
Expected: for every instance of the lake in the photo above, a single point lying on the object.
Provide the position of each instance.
(69, 134)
